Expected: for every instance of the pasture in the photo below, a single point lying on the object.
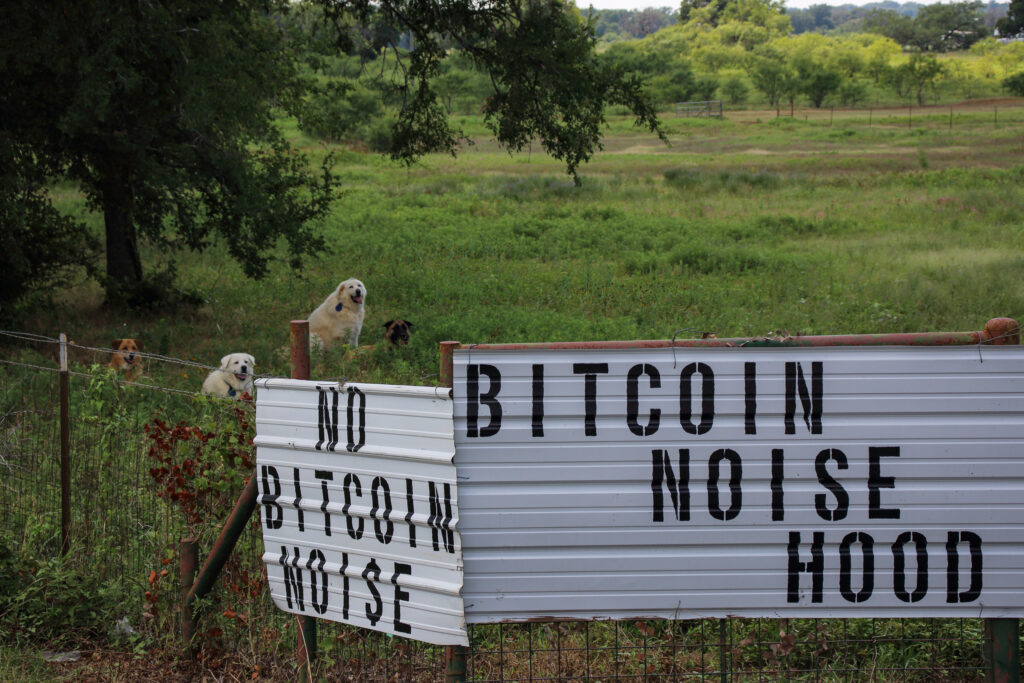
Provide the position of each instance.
(840, 222)
(741, 227)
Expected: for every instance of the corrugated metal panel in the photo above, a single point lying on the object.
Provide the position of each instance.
(905, 498)
(359, 505)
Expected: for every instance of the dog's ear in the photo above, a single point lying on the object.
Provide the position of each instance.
(138, 345)
(116, 343)
(388, 324)
(408, 324)
(224, 360)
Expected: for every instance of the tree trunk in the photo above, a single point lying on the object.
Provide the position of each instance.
(124, 267)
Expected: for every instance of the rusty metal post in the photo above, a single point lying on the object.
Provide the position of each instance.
(65, 448)
(454, 655)
(189, 550)
(1002, 636)
(299, 334)
(305, 646)
(1002, 651)
(225, 542)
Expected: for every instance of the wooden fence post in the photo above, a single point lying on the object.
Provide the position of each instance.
(454, 655)
(305, 647)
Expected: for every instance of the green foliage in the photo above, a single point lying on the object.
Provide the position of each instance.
(40, 249)
(163, 115)
(49, 599)
(1014, 84)
(1013, 23)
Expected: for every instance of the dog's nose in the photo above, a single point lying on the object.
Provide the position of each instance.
(244, 370)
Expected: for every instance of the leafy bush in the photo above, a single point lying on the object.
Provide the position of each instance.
(1014, 84)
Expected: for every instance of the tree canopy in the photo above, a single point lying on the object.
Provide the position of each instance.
(164, 112)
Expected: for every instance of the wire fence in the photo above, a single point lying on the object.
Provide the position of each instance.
(127, 524)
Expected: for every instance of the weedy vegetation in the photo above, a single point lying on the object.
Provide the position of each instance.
(743, 227)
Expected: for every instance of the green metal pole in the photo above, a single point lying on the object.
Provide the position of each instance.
(1002, 651)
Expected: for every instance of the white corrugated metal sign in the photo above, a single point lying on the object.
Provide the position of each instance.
(843, 482)
(359, 505)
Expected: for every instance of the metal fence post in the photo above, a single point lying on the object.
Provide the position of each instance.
(454, 655)
(305, 647)
(1002, 636)
(65, 448)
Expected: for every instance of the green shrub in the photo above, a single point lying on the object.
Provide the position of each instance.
(1014, 84)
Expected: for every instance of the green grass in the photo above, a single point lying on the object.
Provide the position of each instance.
(735, 228)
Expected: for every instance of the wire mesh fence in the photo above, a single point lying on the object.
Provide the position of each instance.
(127, 524)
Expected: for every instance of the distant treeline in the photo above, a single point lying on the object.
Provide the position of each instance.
(615, 25)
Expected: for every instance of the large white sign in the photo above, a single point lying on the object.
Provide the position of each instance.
(696, 482)
(358, 497)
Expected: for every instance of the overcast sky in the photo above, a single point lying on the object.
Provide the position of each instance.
(641, 4)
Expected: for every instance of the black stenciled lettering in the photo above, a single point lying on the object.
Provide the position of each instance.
(749, 398)
(899, 566)
(401, 569)
(325, 476)
(876, 481)
(538, 400)
(633, 399)
(354, 445)
(298, 498)
(292, 578)
(590, 371)
(953, 593)
(344, 585)
(373, 570)
(678, 487)
(274, 515)
(816, 567)
(327, 419)
(778, 509)
(474, 399)
(707, 401)
(440, 518)
(867, 545)
(735, 484)
(355, 532)
(317, 556)
(826, 480)
(380, 484)
(408, 515)
(810, 401)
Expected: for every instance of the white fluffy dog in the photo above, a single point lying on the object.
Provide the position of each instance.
(232, 378)
(339, 319)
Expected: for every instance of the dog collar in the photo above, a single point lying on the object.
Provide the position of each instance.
(231, 391)
(338, 307)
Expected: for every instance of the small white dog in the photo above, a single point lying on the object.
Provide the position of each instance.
(232, 378)
(339, 319)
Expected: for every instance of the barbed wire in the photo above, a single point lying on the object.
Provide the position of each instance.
(28, 336)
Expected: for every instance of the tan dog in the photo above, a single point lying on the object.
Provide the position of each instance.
(396, 332)
(339, 319)
(126, 359)
(232, 378)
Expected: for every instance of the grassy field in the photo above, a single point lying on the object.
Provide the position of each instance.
(820, 223)
(739, 227)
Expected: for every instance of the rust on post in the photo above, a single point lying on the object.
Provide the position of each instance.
(1001, 331)
(189, 551)
(454, 655)
(997, 331)
(225, 542)
(448, 362)
(299, 347)
(305, 647)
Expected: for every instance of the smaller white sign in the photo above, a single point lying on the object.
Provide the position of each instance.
(359, 505)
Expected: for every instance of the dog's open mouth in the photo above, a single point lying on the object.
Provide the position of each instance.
(357, 299)
(241, 376)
